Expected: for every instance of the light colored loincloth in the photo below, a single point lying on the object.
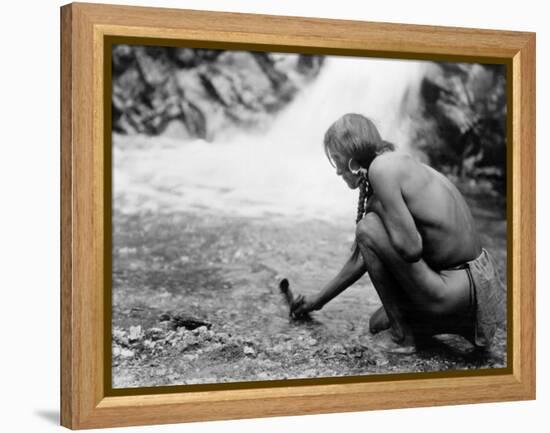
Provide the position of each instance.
(487, 296)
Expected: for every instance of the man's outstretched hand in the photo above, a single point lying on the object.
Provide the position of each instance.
(301, 307)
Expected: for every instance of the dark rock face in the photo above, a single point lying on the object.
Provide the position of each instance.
(198, 93)
(463, 126)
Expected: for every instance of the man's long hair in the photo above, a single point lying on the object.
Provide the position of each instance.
(356, 137)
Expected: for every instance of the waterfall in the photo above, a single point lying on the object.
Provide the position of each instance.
(278, 171)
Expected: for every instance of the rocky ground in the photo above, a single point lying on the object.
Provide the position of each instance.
(218, 274)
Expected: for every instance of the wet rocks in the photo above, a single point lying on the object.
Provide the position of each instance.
(199, 93)
(182, 320)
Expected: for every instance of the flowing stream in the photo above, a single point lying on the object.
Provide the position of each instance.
(278, 171)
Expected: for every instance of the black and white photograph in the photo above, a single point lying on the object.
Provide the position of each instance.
(280, 216)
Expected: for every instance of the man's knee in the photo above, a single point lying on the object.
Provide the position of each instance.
(370, 230)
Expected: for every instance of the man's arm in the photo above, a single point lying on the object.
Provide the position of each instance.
(353, 269)
(387, 177)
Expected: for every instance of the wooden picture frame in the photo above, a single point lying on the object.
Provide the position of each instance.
(85, 400)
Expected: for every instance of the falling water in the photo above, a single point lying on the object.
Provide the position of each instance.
(281, 171)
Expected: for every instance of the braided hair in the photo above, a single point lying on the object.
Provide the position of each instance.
(356, 136)
(365, 192)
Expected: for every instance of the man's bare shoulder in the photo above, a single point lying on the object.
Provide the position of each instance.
(393, 165)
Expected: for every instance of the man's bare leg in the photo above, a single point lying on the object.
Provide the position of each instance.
(391, 296)
(379, 321)
(434, 296)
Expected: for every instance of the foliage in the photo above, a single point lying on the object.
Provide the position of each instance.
(463, 124)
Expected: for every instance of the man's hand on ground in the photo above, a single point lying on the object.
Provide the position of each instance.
(302, 306)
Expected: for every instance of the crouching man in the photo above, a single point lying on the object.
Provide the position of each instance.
(416, 239)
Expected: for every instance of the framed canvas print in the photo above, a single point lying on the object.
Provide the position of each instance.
(265, 215)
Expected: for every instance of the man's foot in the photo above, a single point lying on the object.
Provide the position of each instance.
(387, 342)
(379, 321)
(398, 349)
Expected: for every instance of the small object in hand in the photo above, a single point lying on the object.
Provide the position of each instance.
(291, 301)
(285, 289)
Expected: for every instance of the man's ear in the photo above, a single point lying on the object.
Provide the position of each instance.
(354, 166)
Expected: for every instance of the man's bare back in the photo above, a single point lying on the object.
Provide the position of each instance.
(439, 212)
